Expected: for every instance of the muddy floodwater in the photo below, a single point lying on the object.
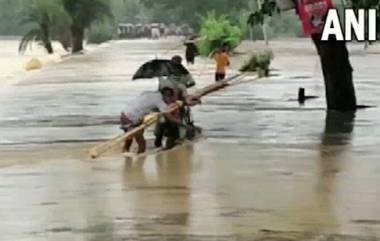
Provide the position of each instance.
(266, 168)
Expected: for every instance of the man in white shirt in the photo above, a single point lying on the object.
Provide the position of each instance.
(134, 113)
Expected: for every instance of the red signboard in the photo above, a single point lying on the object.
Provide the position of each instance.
(312, 14)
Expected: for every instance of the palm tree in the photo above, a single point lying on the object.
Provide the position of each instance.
(47, 16)
(83, 13)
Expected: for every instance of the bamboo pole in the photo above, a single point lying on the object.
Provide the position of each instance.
(102, 148)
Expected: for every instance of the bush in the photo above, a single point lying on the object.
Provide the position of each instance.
(259, 62)
(216, 31)
(100, 33)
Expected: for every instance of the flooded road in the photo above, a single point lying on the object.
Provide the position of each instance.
(265, 169)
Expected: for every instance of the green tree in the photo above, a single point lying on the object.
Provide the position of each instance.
(45, 15)
(84, 13)
(10, 15)
(127, 10)
(218, 31)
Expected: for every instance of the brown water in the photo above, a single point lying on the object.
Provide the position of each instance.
(266, 168)
(12, 63)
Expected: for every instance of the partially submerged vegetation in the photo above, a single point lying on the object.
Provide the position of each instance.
(259, 62)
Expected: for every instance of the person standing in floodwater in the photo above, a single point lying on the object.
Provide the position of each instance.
(133, 115)
(222, 60)
(191, 52)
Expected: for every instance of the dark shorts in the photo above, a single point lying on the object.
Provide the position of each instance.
(190, 59)
(126, 124)
(220, 76)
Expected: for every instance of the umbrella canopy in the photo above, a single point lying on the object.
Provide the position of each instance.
(160, 68)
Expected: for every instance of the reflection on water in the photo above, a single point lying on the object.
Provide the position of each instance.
(170, 166)
(335, 142)
(339, 128)
(161, 186)
(315, 206)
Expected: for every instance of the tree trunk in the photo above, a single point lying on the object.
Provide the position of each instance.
(46, 39)
(339, 127)
(64, 37)
(337, 73)
(77, 34)
(48, 46)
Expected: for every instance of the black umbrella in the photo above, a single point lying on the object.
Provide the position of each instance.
(159, 68)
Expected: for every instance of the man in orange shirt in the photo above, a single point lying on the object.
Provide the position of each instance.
(222, 60)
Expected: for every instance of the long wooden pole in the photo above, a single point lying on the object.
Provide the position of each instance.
(102, 148)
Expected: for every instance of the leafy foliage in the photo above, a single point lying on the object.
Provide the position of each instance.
(130, 11)
(85, 12)
(258, 61)
(100, 33)
(217, 31)
(267, 9)
(48, 16)
(11, 11)
(28, 38)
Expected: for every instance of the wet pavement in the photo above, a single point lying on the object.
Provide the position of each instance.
(265, 169)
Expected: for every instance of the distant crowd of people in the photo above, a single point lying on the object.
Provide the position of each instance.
(153, 30)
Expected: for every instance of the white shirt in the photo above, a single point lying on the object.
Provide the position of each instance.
(144, 104)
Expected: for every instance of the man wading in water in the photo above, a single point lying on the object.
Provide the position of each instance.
(174, 131)
(191, 51)
(134, 113)
(222, 60)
